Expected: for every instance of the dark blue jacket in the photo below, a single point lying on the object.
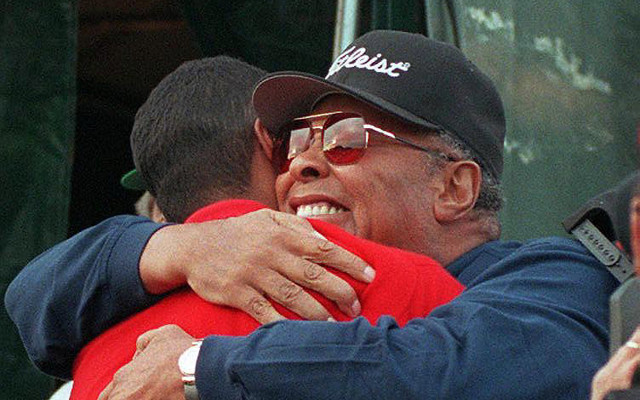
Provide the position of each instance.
(532, 324)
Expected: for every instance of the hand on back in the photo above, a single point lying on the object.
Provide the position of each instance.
(239, 262)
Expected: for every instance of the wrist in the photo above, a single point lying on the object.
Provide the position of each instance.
(160, 265)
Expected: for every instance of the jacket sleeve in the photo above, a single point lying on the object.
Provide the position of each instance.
(532, 326)
(75, 290)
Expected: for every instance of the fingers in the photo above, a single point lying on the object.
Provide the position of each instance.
(629, 355)
(618, 373)
(143, 341)
(292, 296)
(160, 333)
(313, 276)
(310, 250)
(255, 304)
(322, 251)
(629, 350)
(298, 262)
(267, 254)
(312, 246)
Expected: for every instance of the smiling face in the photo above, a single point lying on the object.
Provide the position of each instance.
(386, 196)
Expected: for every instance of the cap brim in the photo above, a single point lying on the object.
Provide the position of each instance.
(282, 96)
(133, 180)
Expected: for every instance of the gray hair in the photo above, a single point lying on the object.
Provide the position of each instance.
(490, 199)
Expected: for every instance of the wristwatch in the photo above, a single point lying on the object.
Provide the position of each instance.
(187, 364)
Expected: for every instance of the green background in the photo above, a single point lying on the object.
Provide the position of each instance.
(37, 109)
(568, 73)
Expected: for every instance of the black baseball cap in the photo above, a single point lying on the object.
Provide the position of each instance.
(419, 80)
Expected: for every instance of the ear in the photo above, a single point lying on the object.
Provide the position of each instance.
(458, 191)
(634, 221)
(264, 139)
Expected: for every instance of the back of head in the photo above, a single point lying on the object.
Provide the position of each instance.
(193, 140)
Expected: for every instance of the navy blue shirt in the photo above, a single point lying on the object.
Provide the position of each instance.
(532, 324)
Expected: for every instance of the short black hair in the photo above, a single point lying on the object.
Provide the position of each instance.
(193, 139)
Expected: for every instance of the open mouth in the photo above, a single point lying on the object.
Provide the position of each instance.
(318, 209)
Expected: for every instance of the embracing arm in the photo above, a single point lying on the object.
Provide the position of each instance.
(77, 289)
(531, 326)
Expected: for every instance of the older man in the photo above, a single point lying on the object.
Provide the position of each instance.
(178, 114)
(402, 144)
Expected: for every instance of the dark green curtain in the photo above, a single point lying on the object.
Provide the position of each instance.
(272, 34)
(37, 106)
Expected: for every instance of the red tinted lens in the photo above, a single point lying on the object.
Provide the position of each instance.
(345, 139)
(342, 155)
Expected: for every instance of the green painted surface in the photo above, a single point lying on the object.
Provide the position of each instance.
(569, 74)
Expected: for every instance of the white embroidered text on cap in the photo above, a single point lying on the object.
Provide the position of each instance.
(358, 59)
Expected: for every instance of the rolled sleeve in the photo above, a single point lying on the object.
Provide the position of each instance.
(127, 293)
(70, 293)
(532, 323)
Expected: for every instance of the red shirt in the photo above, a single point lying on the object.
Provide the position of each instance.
(407, 286)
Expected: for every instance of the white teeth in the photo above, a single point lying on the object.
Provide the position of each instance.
(307, 210)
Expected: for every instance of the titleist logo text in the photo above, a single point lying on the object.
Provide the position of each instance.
(352, 58)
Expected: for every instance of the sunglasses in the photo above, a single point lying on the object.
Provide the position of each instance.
(345, 137)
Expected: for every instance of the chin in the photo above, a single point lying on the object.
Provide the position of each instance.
(351, 228)
(345, 225)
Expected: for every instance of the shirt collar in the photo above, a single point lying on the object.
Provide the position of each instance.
(472, 263)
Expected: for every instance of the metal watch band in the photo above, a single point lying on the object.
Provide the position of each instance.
(187, 365)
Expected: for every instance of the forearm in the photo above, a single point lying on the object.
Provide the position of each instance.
(73, 291)
(427, 359)
(535, 328)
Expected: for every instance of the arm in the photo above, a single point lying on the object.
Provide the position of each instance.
(72, 292)
(533, 325)
(241, 261)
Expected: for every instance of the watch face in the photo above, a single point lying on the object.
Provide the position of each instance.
(188, 359)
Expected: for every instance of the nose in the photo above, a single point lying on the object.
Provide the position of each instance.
(310, 164)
